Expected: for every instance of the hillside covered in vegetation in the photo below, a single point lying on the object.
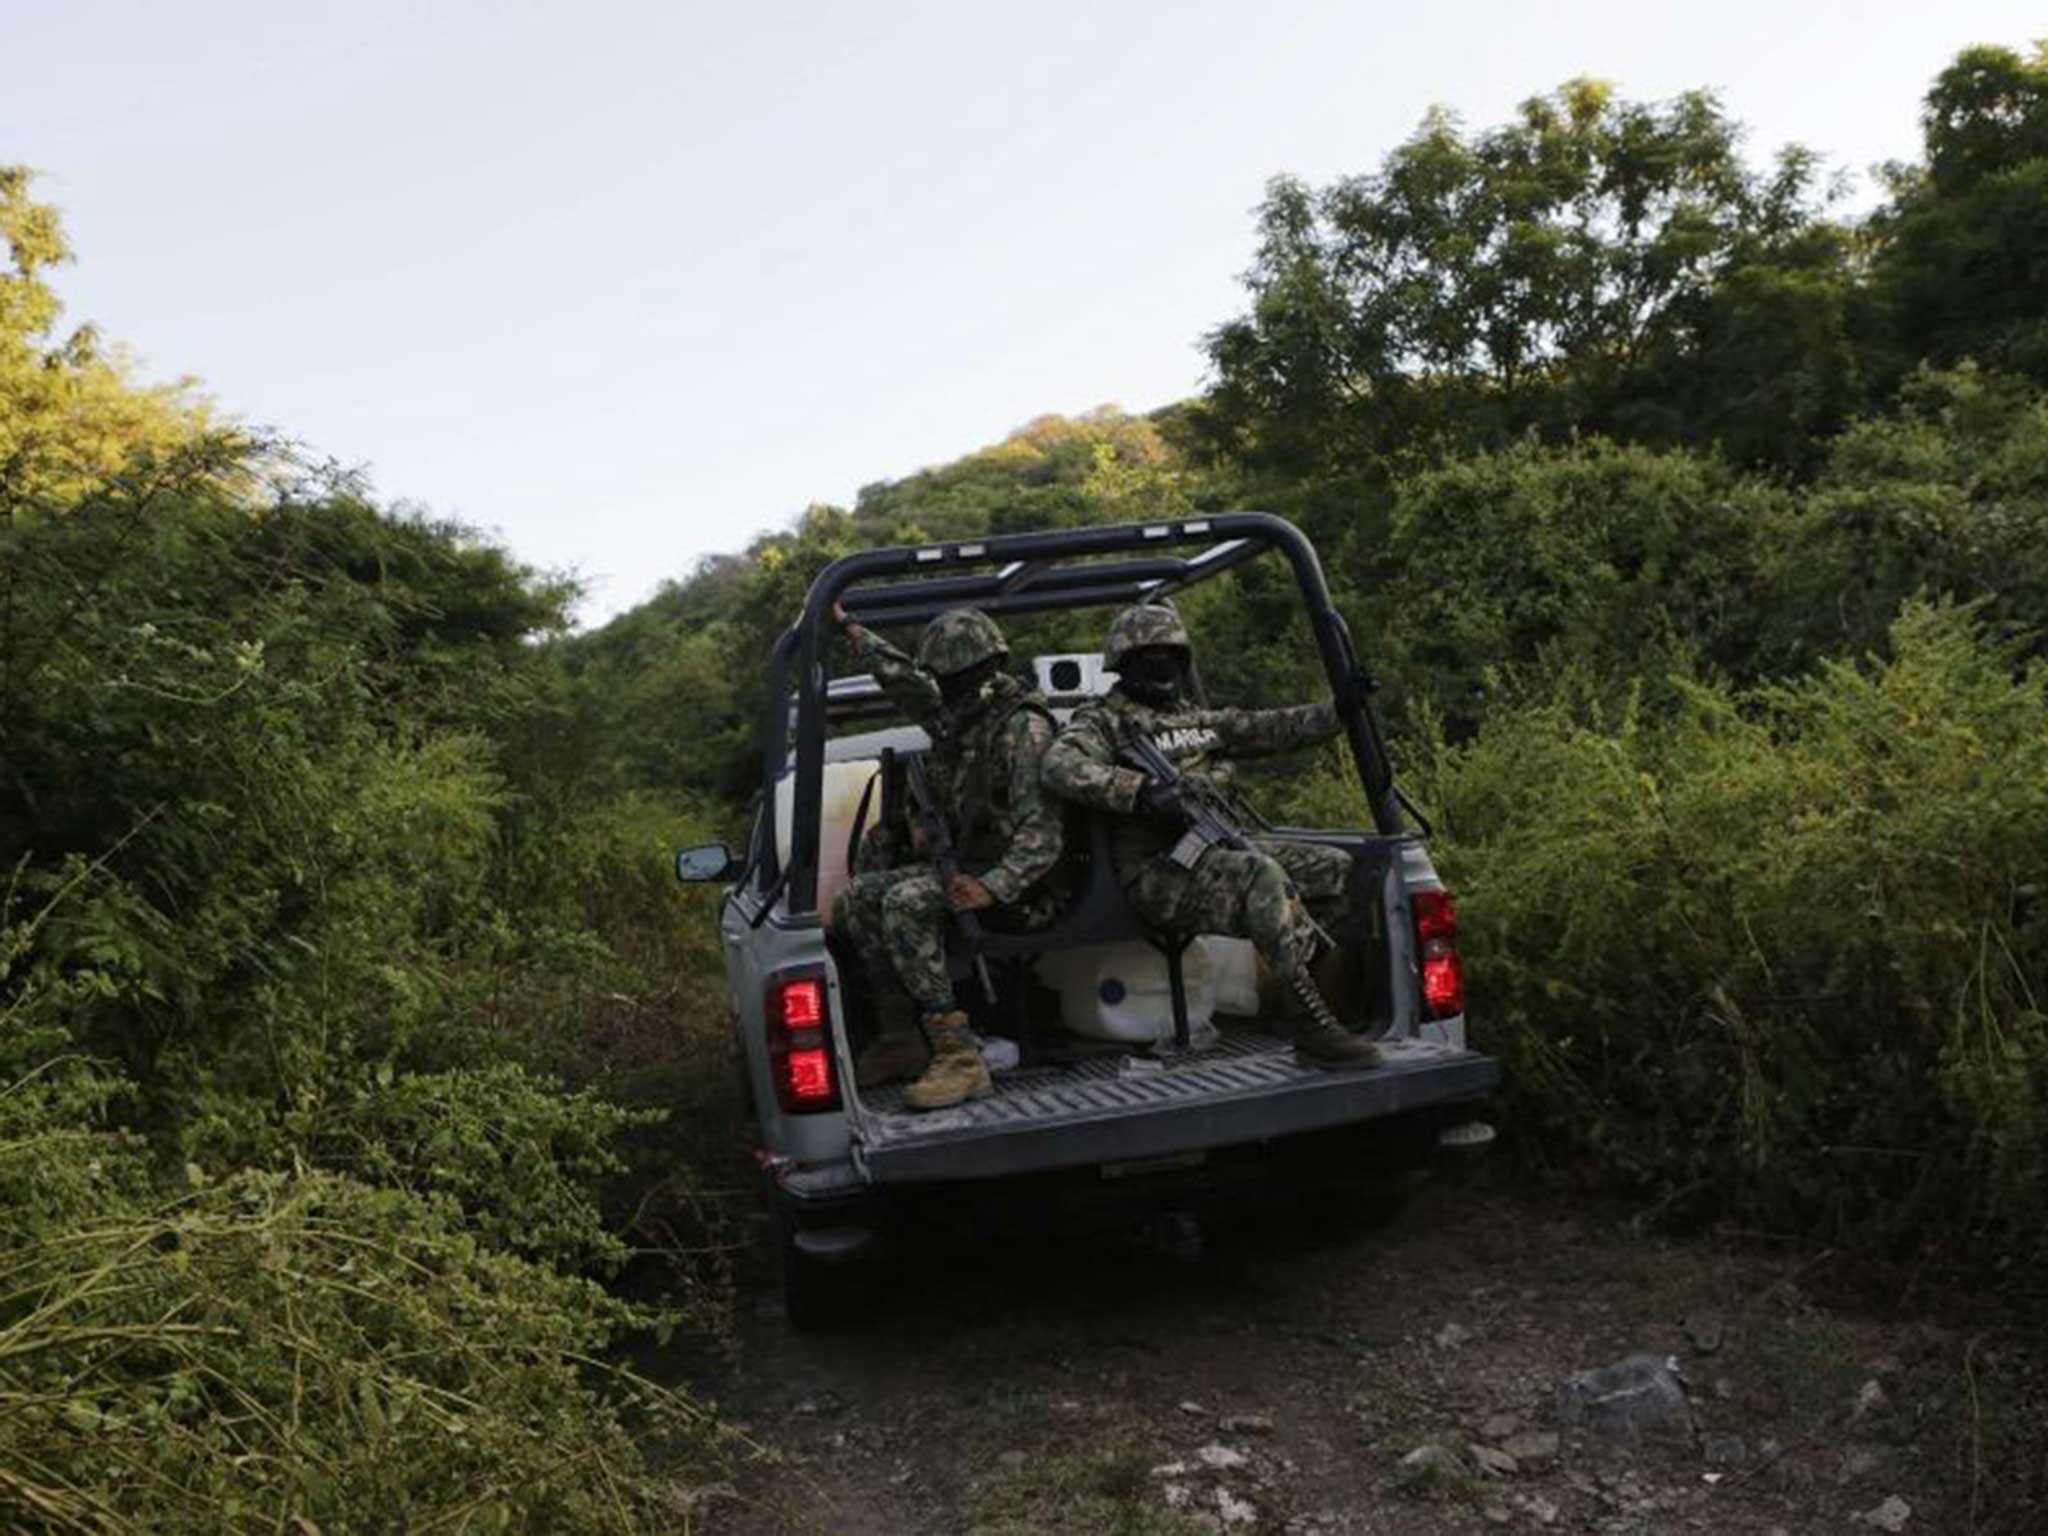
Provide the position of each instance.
(362, 1084)
(1696, 537)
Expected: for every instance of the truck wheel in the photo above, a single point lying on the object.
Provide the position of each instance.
(817, 1293)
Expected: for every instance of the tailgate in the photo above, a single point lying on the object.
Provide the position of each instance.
(1119, 1108)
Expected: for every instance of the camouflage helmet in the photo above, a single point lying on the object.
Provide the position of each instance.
(958, 639)
(1136, 628)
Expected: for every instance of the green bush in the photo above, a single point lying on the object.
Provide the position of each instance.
(1596, 554)
(300, 1219)
(1945, 496)
(293, 1352)
(609, 974)
(1782, 944)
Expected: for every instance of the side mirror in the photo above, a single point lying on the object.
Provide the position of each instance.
(704, 863)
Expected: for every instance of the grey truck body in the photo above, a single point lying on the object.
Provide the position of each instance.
(1109, 1113)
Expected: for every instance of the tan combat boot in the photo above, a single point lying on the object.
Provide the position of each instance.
(1321, 1041)
(957, 1072)
(896, 1055)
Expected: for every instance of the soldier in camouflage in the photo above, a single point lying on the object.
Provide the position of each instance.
(989, 735)
(1277, 894)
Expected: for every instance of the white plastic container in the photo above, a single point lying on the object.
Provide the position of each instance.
(839, 797)
(1233, 972)
(1122, 992)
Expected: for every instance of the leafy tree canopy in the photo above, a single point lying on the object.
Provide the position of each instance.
(1541, 273)
(1964, 264)
(70, 410)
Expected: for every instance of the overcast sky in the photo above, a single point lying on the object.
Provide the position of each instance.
(629, 282)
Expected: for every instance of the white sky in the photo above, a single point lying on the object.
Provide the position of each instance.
(628, 282)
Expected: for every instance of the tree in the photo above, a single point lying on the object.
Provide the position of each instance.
(70, 413)
(1771, 362)
(1964, 259)
(1538, 274)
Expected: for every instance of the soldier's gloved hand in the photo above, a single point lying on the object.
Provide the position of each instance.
(1163, 802)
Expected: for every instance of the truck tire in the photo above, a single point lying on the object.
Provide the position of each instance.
(817, 1293)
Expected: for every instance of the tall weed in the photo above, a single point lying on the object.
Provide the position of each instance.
(307, 1352)
(1780, 944)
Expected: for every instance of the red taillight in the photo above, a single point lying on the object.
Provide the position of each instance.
(1436, 934)
(1436, 916)
(809, 1075)
(800, 1045)
(1443, 985)
(803, 1003)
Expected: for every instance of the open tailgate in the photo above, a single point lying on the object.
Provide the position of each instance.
(1118, 1108)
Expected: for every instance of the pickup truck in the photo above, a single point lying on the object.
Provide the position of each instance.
(1161, 1125)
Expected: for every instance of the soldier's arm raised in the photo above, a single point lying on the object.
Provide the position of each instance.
(1039, 832)
(908, 686)
(1255, 732)
(1082, 765)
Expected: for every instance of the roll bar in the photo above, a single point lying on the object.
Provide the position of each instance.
(1113, 565)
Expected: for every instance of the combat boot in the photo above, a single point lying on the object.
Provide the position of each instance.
(1321, 1041)
(957, 1072)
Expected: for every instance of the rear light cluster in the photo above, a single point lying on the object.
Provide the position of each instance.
(800, 1044)
(1436, 941)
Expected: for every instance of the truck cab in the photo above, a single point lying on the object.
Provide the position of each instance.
(1162, 1118)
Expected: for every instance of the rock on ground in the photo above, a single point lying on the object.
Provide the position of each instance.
(1428, 1465)
(1535, 1447)
(1642, 1395)
(1891, 1515)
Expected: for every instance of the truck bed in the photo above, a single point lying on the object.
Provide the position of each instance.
(1129, 1107)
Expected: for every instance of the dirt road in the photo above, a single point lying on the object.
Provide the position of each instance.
(1291, 1380)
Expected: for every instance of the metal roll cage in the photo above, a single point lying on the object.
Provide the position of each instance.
(1021, 573)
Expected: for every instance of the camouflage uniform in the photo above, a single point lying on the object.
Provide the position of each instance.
(984, 773)
(1267, 896)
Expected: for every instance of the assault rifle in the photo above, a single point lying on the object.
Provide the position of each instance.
(945, 862)
(1207, 818)
(1207, 821)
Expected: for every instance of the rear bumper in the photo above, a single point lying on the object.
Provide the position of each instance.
(827, 1210)
(1260, 1102)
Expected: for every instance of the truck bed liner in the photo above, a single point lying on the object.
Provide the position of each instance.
(1247, 1088)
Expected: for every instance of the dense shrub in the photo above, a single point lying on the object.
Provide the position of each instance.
(1947, 494)
(1596, 554)
(610, 974)
(229, 740)
(1781, 945)
(304, 1351)
(300, 1220)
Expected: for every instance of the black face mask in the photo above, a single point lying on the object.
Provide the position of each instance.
(960, 693)
(1153, 674)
